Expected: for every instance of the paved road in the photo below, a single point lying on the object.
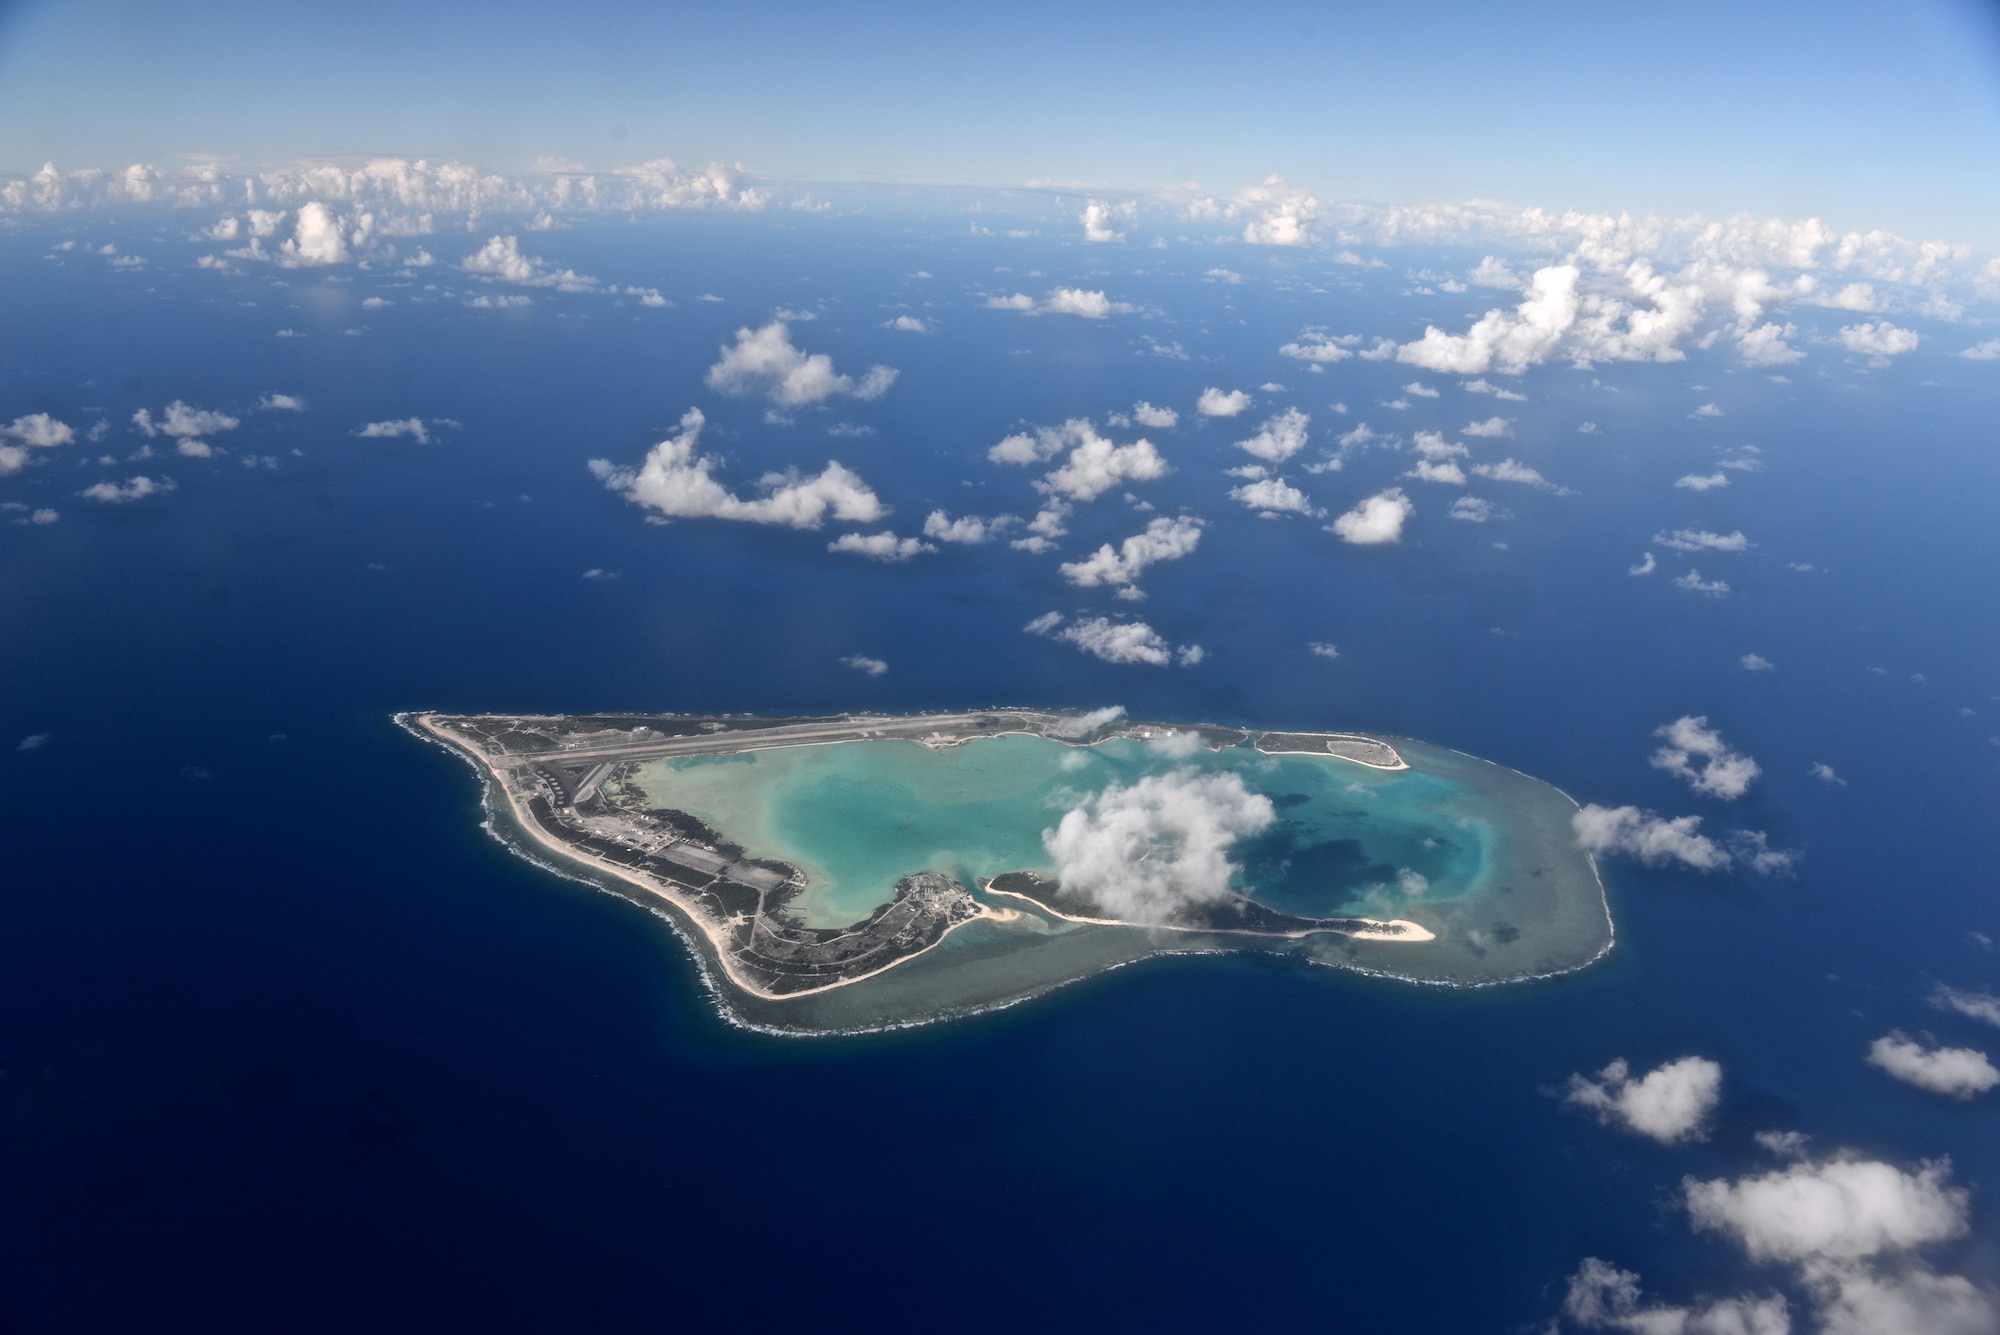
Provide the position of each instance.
(841, 730)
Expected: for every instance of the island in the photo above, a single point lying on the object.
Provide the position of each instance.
(860, 871)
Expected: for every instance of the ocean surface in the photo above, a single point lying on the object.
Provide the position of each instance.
(290, 1043)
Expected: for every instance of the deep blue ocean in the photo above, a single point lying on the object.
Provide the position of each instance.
(290, 1043)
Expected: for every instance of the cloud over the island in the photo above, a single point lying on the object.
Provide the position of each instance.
(765, 360)
(1144, 852)
(1670, 1103)
(679, 483)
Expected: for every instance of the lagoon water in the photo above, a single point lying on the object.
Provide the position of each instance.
(290, 1043)
(859, 816)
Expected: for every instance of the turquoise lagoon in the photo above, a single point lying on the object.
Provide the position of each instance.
(1480, 854)
(858, 816)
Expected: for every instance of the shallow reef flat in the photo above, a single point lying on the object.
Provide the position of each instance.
(857, 872)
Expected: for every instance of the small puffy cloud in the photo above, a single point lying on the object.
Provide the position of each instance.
(1115, 641)
(39, 431)
(1163, 539)
(281, 403)
(1701, 540)
(1482, 386)
(1706, 410)
(1707, 588)
(194, 449)
(1723, 772)
(1429, 444)
(1766, 346)
(1755, 663)
(1273, 495)
(1321, 649)
(969, 530)
(883, 546)
(1322, 350)
(1492, 426)
(1983, 352)
(44, 515)
(1647, 565)
(1474, 510)
(599, 573)
(872, 667)
(182, 420)
(35, 741)
(1420, 389)
(1836, 1210)
(1219, 403)
(1652, 839)
(413, 427)
(1221, 275)
(1603, 1297)
(1956, 1073)
(375, 303)
(1495, 272)
(1825, 774)
(1077, 301)
(679, 483)
(1377, 520)
(1279, 438)
(1095, 465)
(1430, 471)
(501, 260)
(1703, 481)
(765, 359)
(1160, 419)
(1101, 220)
(648, 296)
(908, 324)
(1982, 1006)
(1090, 304)
(1145, 852)
(135, 489)
(1670, 1104)
(1877, 339)
(1513, 470)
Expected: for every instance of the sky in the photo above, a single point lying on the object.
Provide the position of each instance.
(1865, 114)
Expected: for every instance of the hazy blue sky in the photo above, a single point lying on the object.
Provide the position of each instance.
(1867, 114)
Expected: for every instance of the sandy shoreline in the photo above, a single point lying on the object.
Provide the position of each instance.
(1392, 929)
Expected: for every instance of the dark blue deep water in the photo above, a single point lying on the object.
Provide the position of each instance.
(289, 1043)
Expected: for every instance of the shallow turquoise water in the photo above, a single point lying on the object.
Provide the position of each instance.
(857, 816)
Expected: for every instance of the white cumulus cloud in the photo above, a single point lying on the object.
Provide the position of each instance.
(1379, 519)
(1671, 1103)
(970, 530)
(1281, 437)
(1220, 403)
(765, 359)
(1878, 339)
(1722, 771)
(1146, 851)
(679, 483)
(1163, 539)
(1652, 839)
(1835, 1210)
(884, 546)
(1956, 1073)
